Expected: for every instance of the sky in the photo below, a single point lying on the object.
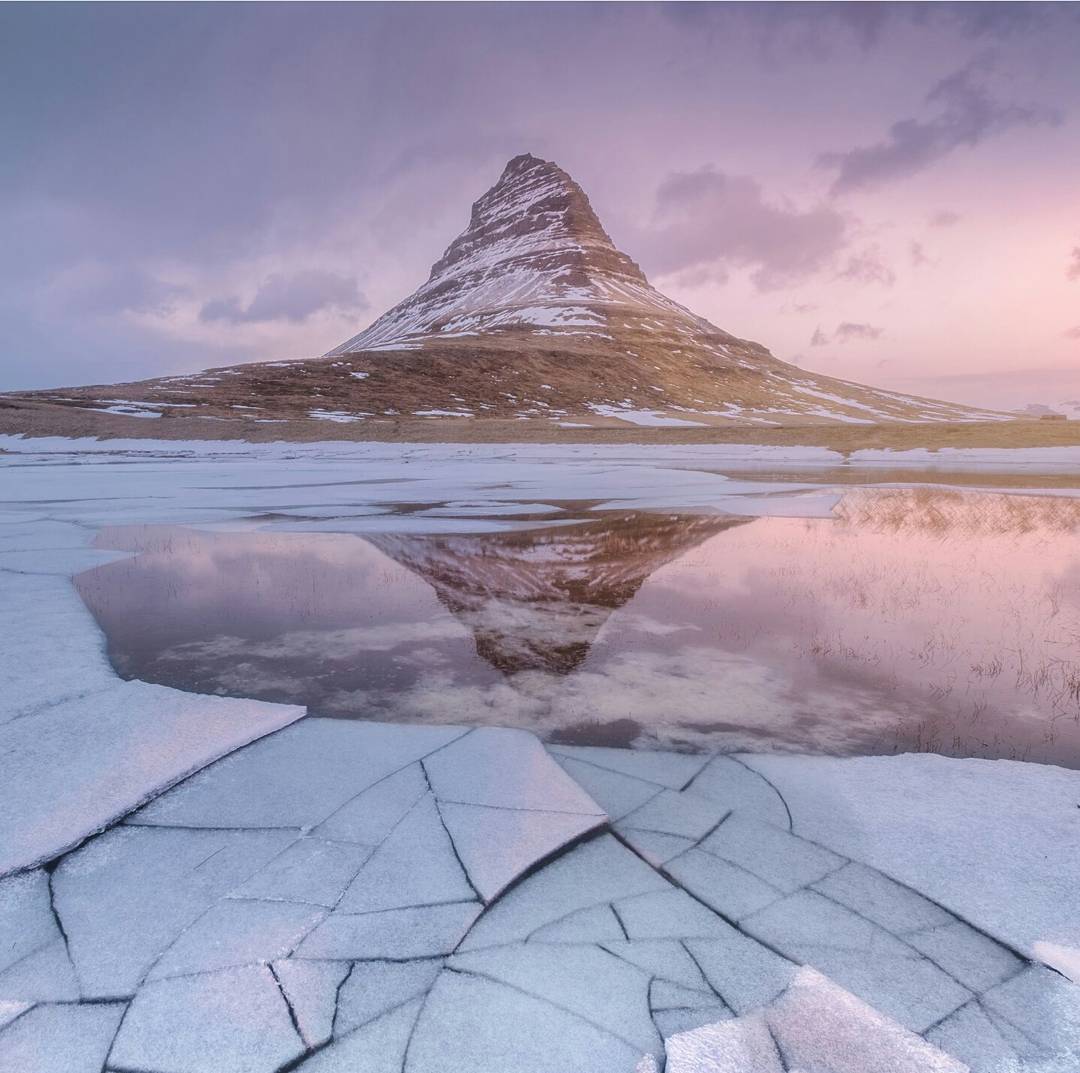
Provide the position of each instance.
(885, 193)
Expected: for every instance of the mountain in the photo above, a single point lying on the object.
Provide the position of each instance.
(532, 312)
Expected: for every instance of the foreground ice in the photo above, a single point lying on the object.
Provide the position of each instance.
(344, 896)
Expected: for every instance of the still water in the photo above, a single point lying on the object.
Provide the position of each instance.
(910, 619)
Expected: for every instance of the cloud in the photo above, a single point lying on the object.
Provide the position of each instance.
(918, 255)
(1072, 333)
(868, 267)
(707, 222)
(968, 115)
(849, 329)
(292, 298)
(944, 218)
(1072, 270)
(97, 289)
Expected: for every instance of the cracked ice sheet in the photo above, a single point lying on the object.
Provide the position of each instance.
(126, 896)
(297, 778)
(991, 840)
(210, 482)
(235, 1020)
(39, 617)
(72, 770)
(814, 1025)
(60, 1039)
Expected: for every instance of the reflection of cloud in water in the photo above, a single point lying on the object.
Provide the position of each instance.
(918, 618)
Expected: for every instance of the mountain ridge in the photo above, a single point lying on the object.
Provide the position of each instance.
(532, 312)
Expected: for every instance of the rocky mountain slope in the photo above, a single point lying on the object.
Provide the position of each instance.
(532, 312)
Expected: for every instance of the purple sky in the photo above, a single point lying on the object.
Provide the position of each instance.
(885, 193)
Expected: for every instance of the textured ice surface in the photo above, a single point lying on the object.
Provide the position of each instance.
(375, 987)
(126, 896)
(62, 783)
(476, 1024)
(585, 980)
(504, 769)
(40, 616)
(234, 933)
(272, 785)
(988, 839)
(60, 1039)
(728, 888)
(26, 920)
(592, 874)
(370, 816)
(311, 988)
(236, 1019)
(770, 853)
(311, 870)
(673, 770)
(376, 1047)
(416, 865)
(497, 844)
(615, 793)
(428, 931)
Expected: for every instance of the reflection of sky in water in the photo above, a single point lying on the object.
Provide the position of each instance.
(914, 619)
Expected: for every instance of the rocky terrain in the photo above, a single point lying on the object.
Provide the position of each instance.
(532, 314)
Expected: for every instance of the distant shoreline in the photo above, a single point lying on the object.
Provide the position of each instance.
(37, 419)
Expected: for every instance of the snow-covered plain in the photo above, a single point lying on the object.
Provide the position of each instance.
(191, 883)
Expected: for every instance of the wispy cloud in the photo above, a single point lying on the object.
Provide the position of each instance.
(967, 115)
(868, 267)
(850, 329)
(944, 218)
(847, 330)
(917, 254)
(289, 297)
(1072, 270)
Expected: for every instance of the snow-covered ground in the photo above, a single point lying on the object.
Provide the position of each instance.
(194, 884)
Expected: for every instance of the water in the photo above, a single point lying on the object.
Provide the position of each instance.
(912, 619)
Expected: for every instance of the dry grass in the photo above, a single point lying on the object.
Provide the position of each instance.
(39, 418)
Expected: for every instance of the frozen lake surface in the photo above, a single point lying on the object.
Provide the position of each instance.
(368, 879)
(907, 619)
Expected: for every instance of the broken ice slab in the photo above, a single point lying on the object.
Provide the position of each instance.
(298, 778)
(596, 872)
(126, 895)
(989, 840)
(415, 865)
(505, 768)
(62, 783)
(236, 1019)
(60, 1039)
(39, 617)
(496, 845)
(418, 932)
(597, 986)
(473, 1023)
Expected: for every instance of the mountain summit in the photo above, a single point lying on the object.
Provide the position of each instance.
(531, 313)
(534, 257)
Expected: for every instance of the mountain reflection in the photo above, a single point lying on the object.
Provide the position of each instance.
(535, 600)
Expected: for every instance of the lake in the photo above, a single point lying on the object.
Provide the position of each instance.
(915, 618)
